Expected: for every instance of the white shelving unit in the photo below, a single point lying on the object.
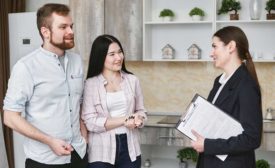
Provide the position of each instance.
(183, 32)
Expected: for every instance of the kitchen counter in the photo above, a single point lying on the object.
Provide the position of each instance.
(162, 119)
(168, 135)
(269, 126)
(170, 120)
(165, 163)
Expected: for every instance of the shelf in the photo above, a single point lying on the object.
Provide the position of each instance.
(182, 31)
(176, 22)
(178, 60)
(245, 21)
(264, 60)
(200, 60)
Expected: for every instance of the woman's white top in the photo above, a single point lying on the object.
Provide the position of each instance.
(116, 104)
(222, 81)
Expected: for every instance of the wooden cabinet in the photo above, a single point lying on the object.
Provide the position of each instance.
(123, 19)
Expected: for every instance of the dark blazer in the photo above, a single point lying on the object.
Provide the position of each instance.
(241, 99)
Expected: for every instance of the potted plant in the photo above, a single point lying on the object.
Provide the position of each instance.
(270, 5)
(230, 5)
(262, 164)
(185, 154)
(196, 14)
(166, 14)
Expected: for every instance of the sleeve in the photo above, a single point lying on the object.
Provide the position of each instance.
(250, 118)
(139, 104)
(92, 111)
(20, 88)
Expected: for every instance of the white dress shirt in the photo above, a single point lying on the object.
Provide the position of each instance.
(222, 81)
(50, 98)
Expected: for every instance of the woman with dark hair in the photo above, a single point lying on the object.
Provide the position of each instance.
(236, 92)
(113, 108)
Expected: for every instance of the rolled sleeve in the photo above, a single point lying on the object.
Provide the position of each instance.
(20, 89)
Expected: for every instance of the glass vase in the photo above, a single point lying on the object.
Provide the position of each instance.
(255, 9)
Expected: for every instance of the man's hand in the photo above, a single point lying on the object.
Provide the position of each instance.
(198, 145)
(60, 147)
(15, 121)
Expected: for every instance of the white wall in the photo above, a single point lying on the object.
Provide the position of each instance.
(33, 5)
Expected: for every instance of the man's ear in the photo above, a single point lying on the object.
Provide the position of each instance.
(45, 32)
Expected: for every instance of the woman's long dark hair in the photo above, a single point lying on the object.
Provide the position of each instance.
(232, 33)
(99, 52)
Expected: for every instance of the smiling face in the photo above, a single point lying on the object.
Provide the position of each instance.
(220, 53)
(114, 58)
(61, 32)
(59, 35)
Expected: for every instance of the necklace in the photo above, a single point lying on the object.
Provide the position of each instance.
(113, 84)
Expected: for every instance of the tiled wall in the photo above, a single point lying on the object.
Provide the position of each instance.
(169, 86)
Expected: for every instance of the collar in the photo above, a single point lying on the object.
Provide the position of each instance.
(223, 80)
(49, 53)
(104, 81)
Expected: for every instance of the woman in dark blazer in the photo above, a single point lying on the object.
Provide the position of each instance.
(236, 92)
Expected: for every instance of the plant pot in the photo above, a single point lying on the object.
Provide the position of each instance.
(196, 18)
(183, 164)
(167, 18)
(234, 16)
(270, 16)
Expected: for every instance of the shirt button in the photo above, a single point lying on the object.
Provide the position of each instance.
(69, 94)
(72, 126)
(58, 64)
(70, 110)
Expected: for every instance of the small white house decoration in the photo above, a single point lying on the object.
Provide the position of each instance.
(168, 52)
(194, 52)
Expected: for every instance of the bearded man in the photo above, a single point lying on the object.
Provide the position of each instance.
(47, 85)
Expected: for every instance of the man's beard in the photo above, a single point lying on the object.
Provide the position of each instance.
(64, 45)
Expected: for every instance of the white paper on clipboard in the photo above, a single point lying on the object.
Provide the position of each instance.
(209, 121)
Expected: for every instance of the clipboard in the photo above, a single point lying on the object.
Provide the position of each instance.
(208, 120)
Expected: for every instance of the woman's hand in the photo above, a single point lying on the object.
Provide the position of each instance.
(130, 122)
(198, 145)
(138, 120)
(134, 121)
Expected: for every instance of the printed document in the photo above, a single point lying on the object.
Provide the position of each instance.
(209, 121)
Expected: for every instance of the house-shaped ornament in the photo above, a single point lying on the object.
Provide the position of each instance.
(168, 52)
(194, 52)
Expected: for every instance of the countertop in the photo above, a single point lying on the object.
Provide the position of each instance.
(269, 126)
(170, 119)
(155, 118)
(165, 163)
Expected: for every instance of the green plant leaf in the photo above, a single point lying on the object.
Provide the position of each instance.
(196, 11)
(166, 12)
(270, 5)
(229, 5)
(262, 164)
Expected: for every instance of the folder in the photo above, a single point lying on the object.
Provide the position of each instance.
(208, 120)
